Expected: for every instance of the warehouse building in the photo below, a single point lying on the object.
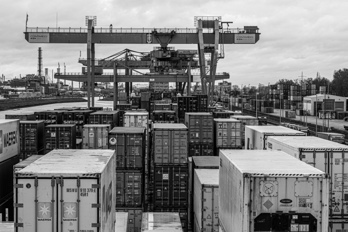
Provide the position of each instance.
(326, 102)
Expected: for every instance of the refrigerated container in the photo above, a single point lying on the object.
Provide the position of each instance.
(328, 156)
(227, 134)
(129, 188)
(95, 136)
(31, 137)
(169, 222)
(60, 136)
(121, 222)
(182, 214)
(134, 218)
(67, 190)
(271, 191)
(256, 136)
(170, 186)
(200, 127)
(336, 137)
(129, 143)
(169, 143)
(9, 139)
(104, 117)
(206, 200)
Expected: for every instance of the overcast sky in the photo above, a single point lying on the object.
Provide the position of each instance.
(296, 36)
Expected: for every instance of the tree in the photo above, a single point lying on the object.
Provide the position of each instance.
(235, 91)
(340, 83)
(285, 82)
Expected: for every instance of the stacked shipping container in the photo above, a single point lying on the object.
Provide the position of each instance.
(31, 138)
(227, 134)
(60, 136)
(95, 136)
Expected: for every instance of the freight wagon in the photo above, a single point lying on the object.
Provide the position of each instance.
(329, 157)
(67, 190)
(271, 191)
(256, 136)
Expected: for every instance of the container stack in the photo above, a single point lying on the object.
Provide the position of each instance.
(31, 138)
(95, 136)
(246, 121)
(169, 178)
(295, 96)
(122, 108)
(201, 134)
(129, 144)
(186, 104)
(9, 156)
(78, 117)
(145, 101)
(60, 136)
(206, 200)
(329, 157)
(227, 134)
(257, 196)
(202, 102)
(104, 117)
(163, 116)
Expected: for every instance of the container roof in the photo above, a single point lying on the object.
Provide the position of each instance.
(226, 120)
(127, 130)
(96, 125)
(70, 163)
(206, 161)
(136, 113)
(105, 112)
(274, 129)
(173, 126)
(8, 120)
(27, 161)
(243, 117)
(208, 176)
(309, 142)
(265, 162)
(198, 113)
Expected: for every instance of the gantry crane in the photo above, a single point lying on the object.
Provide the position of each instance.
(208, 35)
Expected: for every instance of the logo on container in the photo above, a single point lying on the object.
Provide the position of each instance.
(286, 202)
(44, 211)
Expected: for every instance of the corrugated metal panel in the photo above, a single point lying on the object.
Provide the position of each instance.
(161, 222)
(227, 133)
(31, 137)
(200, 127)
(121, 224)
(9, 138)
(129, 188)
(95, 136)
(134, 218)
(60, 137)
(104, 117)
(201, 149)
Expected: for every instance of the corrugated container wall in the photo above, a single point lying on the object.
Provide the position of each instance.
(136, 119)
(200, 126)
(246, 121)
(31, 138)
(60, 136)
(134, 218)
(121, 224)
(206, 200)
(169, 143)
(80, 184)
(104, 117)
(288, 195)
(129, 188)
(329, 157)
(227, 133)
(169, 222)
(9, 138)
(95, 136)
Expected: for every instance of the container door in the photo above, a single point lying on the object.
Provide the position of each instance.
(78, 205)
(36, 205)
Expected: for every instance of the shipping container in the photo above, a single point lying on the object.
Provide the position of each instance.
(182, 214)
(201, 149)
(134, 218)
(328, 156)
(169, 143)
(227, 134)
(95, 136)
(67, 190)
(136, 119)
(202, 102)
(60, 136)
(170, 186)
(104, 117)
(21, 116)
(165, 116)
(168, 222)
(129, 188)
(54, 116)
(200, 126)
(121, 224)
(31, 137)
(335, 137)
(78, 117)
(9, 138)
(206, 200)
(246, 121)
(338, 225)
(256, 136)
(129, 143)
(186, 104)
(7, 227)
(271, 191)
(6, 188)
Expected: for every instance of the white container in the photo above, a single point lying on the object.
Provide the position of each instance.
(121, 222)
(168, 222)
(67, 190)
(261, 189)
(136, 119)
(256, 136)
(95, 136)
(328, 156)
(9, 138)
(206, 200)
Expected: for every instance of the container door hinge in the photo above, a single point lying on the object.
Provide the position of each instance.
(18, 224)
(18, 205)
(18, 185)
(95, 185)
(95, 224)
(95, 205)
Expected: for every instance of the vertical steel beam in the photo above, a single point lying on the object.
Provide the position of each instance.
(93, 71)
(89, 45)
(214, 58)
(115, 86)
(126, 73)
(201, 56)
(189, 79)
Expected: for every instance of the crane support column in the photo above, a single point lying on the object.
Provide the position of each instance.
(201, 56)
(214, 59)
(115, 87)
(189, 79)
(89, 45)
(93, 71)
(127, 73)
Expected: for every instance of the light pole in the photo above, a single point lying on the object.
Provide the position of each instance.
(316, 115)
(256, 103)
(280, 109)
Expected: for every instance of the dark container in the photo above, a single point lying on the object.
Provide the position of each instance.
(55, 116)
(169, 141)
(61, 136)
(186, 104)
(129, 188)
(123, 107)
(145, 96)
(200, 126)
(136, 101)
(167, 95)
(201, 149)
(78, 117)
(21, 116)
(163, 116)
(31, 137)
(129, 143)
(104, 117)
(170, 186)
(96, 108)
(202, 102)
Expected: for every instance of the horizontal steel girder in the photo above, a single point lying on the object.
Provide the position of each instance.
(135, 78)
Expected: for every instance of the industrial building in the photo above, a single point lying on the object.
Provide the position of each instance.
(325, 102)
